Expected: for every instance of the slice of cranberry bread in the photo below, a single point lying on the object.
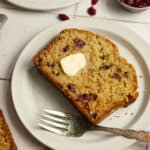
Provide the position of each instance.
(106, 83)
(6, 139)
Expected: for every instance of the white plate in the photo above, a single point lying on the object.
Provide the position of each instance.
(43, 4)
(31, 93)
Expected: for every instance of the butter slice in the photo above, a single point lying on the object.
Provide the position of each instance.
(73, 63)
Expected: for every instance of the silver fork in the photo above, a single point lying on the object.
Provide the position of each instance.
(75, 125)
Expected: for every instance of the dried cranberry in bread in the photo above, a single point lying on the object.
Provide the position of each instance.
(108, 81)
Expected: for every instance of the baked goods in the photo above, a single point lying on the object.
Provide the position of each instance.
(106, 83)
(6, 139)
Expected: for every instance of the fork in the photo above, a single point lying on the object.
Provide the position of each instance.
(76, 125)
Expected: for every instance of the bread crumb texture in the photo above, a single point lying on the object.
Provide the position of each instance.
(6, 139)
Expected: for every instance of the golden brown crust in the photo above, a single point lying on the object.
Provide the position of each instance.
(103, 106)
(72, 30)
(7, 134)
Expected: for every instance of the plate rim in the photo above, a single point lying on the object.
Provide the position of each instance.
(78, 21)
(42, 9)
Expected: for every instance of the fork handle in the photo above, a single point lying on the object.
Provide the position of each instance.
(143, 136)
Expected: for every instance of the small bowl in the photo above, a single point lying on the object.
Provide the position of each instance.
(131, 8)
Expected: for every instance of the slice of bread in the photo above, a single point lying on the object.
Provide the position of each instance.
(6, 139)
(106, 83)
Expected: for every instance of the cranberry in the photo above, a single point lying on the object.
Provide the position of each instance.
(116, 76)
(91, 11)
(86, 106)
(63, 17)
(79, 43)
(148, 1)
(50, 65)
(83, 97)
(141, 4)
(71, 87)
(65, 49)
(130, 2)
(94, 2)
(86, 97)
(137, 3)
(105, 67)
(130, 97)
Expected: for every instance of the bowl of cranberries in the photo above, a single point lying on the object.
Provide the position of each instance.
(135, 5)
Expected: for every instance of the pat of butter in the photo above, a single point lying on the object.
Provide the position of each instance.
(73, 63)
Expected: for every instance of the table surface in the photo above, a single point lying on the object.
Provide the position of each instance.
(20, 28)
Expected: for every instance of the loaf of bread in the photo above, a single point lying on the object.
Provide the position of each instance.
(106, 83)
(6, 139)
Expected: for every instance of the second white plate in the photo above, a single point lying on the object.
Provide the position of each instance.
(43, 4)
(31, 93)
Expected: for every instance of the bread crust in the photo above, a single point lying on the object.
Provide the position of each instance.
(8, 136)
(115, 52)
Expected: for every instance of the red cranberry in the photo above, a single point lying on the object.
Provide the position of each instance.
(50, 65)
(137, 3)
(86, 97)
(83, 97)
(130, 2)
(94, 2)
(116, 76)
(148, 1)
(79, 43)
(65, 49)
(141, 4)
(91, 11)
(130, 97)
(71, 87)
(63, 17)
(86, 106)
(105, 67)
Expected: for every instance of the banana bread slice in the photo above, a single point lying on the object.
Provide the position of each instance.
(6, 139)
(108, 81)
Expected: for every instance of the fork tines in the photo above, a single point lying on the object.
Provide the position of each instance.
(54, 121)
